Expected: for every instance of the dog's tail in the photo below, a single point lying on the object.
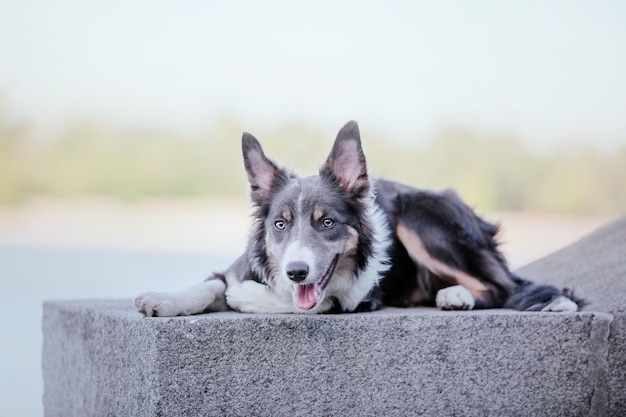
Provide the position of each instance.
(529, 296)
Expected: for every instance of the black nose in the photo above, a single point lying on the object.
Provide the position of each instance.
(297, 271)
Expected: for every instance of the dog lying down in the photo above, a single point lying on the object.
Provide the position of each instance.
(340, 241)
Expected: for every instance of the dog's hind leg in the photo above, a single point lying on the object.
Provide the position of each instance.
(199, 298)
(464, 290)
(444, 236)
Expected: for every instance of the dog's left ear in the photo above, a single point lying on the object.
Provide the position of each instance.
(346, 161)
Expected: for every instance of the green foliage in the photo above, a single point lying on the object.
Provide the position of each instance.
(490, 172)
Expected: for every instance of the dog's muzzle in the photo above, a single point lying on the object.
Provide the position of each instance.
(310, 294)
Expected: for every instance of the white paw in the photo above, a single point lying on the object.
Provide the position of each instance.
(243, 297)
(254, 297)
(456, 297)
(199, 298)
(561, 304)
(157, 304)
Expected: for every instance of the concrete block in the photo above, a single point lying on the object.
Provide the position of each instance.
(101, 358)
(95, 362)
(595, 267)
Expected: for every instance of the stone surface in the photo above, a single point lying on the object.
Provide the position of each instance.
(102, 358)
(96, 362)
(595, 267)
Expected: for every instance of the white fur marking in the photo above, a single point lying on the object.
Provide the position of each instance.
(295, 252)
(208, 295)
(253, 297)
(456, 297)
(561, 304)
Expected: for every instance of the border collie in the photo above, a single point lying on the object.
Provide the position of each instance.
(340, 241)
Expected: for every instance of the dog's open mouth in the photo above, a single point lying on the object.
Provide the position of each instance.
(309, 295)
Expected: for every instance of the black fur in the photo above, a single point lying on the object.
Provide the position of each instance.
(530, 296)
(453, 234)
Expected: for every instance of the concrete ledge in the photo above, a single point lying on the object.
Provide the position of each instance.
(596, 267)
(102, 358)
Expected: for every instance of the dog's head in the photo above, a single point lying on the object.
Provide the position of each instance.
(311, 233)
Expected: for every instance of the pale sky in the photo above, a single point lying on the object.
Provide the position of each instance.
(543, 70)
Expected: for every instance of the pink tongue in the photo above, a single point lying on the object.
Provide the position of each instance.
(307, 296)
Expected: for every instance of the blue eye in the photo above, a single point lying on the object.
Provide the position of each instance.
(279, 225)
(328, 222)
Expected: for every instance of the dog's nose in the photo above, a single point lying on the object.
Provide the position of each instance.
(297, 271)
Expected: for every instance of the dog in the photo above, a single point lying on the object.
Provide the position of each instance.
(340, 242)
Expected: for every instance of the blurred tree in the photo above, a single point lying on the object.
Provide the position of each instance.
(488, 171)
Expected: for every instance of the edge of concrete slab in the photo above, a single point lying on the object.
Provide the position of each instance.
(102, 358)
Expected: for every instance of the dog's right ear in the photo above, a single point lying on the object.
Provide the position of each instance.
(262, 172)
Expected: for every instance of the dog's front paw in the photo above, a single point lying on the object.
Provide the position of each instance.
(456, 297)
(241, 296)
(157, 304)
(252, 297)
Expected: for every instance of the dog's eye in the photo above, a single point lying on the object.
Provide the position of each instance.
(280, 225)
(328, 222)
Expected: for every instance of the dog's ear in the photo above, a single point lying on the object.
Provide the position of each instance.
(346, 161)
(262, 172)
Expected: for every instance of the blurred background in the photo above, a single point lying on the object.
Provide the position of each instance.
(120, 122)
